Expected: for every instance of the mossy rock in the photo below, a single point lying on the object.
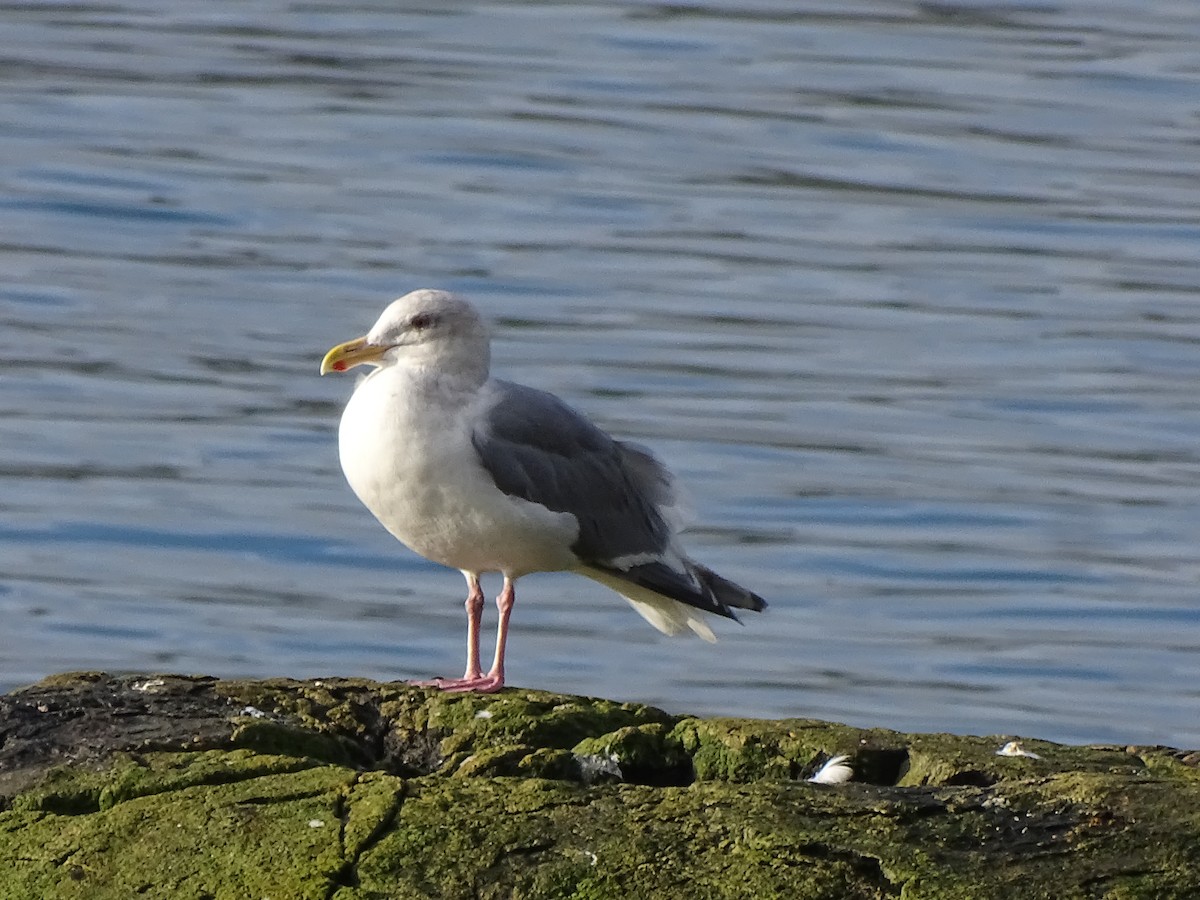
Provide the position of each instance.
(190, 787)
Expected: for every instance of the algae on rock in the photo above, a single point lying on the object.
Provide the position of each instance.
(168, 786)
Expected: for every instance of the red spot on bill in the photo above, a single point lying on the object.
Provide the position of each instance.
(339, 366)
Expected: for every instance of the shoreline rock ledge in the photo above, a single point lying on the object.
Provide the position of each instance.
(195, 788)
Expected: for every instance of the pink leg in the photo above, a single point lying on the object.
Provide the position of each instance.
(493, 680)
(474, 606)
(474, 618)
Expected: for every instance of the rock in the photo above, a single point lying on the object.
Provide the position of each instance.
(345, 789)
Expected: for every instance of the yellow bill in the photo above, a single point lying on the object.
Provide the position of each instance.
(350, 354)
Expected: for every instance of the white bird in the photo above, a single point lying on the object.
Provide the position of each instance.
(484, 475)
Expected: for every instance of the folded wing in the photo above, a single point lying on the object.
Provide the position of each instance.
(537, 448)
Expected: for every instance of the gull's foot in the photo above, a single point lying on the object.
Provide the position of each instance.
(479, 684)
(484, 684)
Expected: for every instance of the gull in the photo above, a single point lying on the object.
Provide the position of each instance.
(484, 475)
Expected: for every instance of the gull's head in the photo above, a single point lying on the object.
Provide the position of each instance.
(424, 329)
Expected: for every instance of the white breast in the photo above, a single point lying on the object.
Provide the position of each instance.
(409, 458)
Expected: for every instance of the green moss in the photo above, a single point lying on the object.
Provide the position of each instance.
(534, 838)
(641, 754)
(491, 762)
(63, 790)
(745, 750)
(265, 736)
(533, 718)
(558, 765)
(181, 831)
(304, 802)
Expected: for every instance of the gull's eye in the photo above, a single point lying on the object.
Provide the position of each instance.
(421, 321)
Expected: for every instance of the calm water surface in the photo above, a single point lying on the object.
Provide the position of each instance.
(907, 294)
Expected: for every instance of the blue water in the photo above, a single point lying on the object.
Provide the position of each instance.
(907, 295)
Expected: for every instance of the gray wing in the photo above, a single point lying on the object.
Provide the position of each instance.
(539, 449)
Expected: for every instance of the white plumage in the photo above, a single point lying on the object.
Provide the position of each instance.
(483, 475)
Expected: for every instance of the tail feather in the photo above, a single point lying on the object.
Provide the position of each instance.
(667, 615)
(725, 592)
(667, 598)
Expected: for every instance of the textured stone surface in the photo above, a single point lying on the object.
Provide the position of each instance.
(186, 787)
